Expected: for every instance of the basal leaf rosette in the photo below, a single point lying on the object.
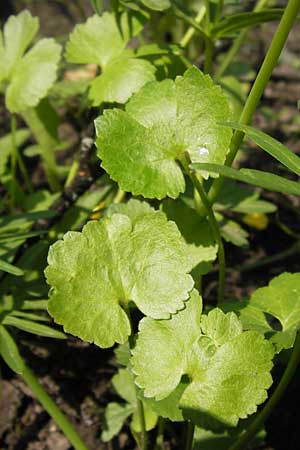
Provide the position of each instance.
(228, 368)
(141, 147)
(96, 273)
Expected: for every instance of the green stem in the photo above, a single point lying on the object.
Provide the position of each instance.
(189, 436)
(14, 158)
(160, 434)
(213, 223)
(72, 173)
(219, 10)
(120, 195)
(140, 406)
(237, 43)
(47, 143)
(209, 50)
(263, 76)
(191, 30)
(261, 417)
(56, 414)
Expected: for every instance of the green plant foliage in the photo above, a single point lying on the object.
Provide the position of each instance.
(157, 5)
(228, 369)
(21, 136)
(271, 146)
(115, 416)
(102, 40)
(140, 148)
(255, 177)
(107, 266)
(29, 76)
(9, 351)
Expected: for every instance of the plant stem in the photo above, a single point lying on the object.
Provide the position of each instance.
(272, 402)
(185, 161)
(14, 157)
(191, 30)
(120, 195)
(189, 436)
(56, 414)
(140, 406)
(263, 76)
(237, 43)
(209, 50)
(160, 434)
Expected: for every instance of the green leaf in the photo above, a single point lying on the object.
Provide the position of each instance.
(207, 440)
(169, 406)
(123, 384)
(115, 85)
(255, 177)
(122, 353)
(195, 230)
(33, 327)
(97, 272)
(9, 351)
(232, 232)
(133, 209)
(239, 21)
(100, 39)
(157, 5)
(9, 268)
(115, 416)
(228, 369)
(140, 147)
(18, 33)
(33, 76)
(281, 299)
(271, 146)
(6, 144)
(150, 419)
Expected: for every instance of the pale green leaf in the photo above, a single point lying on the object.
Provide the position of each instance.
(271, 146)
(10, 268)
(33, 327)
(150, 419)
(141, 147)
(169, 406)
(133, 209)
(232, 232)
(18, 33)
(121, 78)
(281, 299)
(100, 38)
(122, 353)
(21, 136)
(123, 384)
(9, 351)
(157, 5)
(259, 178)
(228, 369)
(33, 76)
(115, 416)
(195, 230)
(96, 272)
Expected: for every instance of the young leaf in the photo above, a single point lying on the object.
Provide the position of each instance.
(150, 419)
(140, 147)
(100, 39)
(255, 177)
(9, 351)
(228, 369)
(96, 273)
(115, 416)
(270, 145)
(115, 85)
(9, 268)
(33, 76)
(18, 33)
(123, 384)
(157, 5)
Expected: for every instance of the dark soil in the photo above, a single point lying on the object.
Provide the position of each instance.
(77, 375)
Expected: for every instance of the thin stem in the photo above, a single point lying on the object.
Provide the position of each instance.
(237, 43)
(120, 195)
(191, 30)
(14, 158)
(213, 223)
(209, 50)
(56, 414)
(189, 436)
(140, 406)
(160, 434)
(219, 10)
(261, 417)
(263, 76)
(72, 173)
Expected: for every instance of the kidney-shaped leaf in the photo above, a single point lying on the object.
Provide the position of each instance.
(228, 369)
(94, 274)
(140, 147)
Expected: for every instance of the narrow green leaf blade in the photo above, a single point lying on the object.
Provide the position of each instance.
(10, 268)
(270, 145)
(9, 351)
(239, 21)
(255, 177)
(33, 76)
(157, 5)
(33, 327)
